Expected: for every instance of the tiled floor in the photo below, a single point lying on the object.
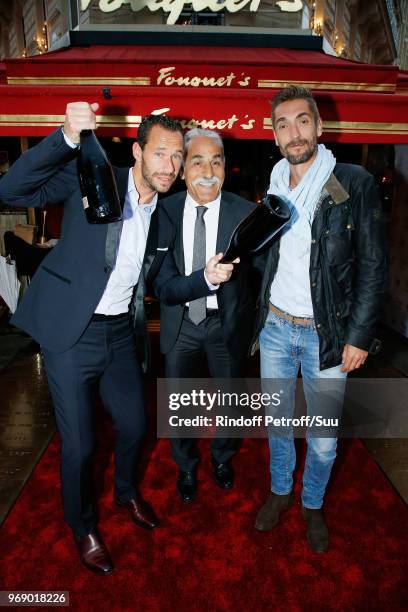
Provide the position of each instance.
(26, 423)
(392, 457)
(391, 454)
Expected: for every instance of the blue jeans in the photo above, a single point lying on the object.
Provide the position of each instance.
(286, 347)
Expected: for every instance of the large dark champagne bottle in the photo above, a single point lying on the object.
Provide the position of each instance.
(257, 231)
(98, 186)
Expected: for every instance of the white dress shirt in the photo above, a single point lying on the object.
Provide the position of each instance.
(211, 232)
(132, 245)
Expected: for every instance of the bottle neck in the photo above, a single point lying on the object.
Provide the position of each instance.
(84, 134)
(88, 139)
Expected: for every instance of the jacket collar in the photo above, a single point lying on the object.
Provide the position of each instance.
(336, 190)
(227, 222)
(114, 230)
(122, 178)
(177, 218)
(151, 244)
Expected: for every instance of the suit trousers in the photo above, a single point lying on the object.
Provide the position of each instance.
(104, 359)
(184, 360)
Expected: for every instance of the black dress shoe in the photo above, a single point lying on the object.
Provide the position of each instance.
(187, 486)
(94, 554)
(223, 475)
(141, 513)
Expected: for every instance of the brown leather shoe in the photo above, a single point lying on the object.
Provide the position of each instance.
(140, 511)
(317, 532)
(94, 554)
(269, 514)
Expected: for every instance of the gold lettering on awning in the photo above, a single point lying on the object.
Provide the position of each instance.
(167, 78)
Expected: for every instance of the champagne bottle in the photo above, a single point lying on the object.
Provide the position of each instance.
(257, 231)
(98, 186)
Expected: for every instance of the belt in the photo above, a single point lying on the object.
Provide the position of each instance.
(295, 320)
(102, 317)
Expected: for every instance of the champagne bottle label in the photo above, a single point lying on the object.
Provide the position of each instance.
(85, 202)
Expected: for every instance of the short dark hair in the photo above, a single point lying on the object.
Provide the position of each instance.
(293, 92)
(150, 121)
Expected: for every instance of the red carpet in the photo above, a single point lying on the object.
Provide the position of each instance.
(208, 555)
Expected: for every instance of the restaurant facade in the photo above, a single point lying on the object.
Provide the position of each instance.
(216, 64)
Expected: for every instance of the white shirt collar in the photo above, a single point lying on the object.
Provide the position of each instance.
(192, 204)
(134, 196)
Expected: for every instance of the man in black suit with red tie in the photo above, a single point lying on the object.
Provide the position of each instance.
(219, 326)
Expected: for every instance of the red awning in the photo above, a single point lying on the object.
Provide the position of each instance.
(3, 78)
(226, 89)
(402, 83)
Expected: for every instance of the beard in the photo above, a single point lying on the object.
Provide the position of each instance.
(151, 178)
(301, 158)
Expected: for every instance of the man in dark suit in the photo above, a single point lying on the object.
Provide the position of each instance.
(77, 307)
(221, 325)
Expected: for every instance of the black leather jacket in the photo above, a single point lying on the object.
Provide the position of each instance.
(348, 266)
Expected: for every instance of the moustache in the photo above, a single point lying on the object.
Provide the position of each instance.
(206, 182)
(296, 143)
(164, 175)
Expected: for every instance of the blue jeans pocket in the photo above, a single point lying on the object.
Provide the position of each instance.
(273, 319)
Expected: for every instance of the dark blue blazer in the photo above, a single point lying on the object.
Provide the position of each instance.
(237, 299)
(69, 284)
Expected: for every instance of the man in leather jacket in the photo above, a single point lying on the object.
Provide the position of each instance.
(322, 290)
